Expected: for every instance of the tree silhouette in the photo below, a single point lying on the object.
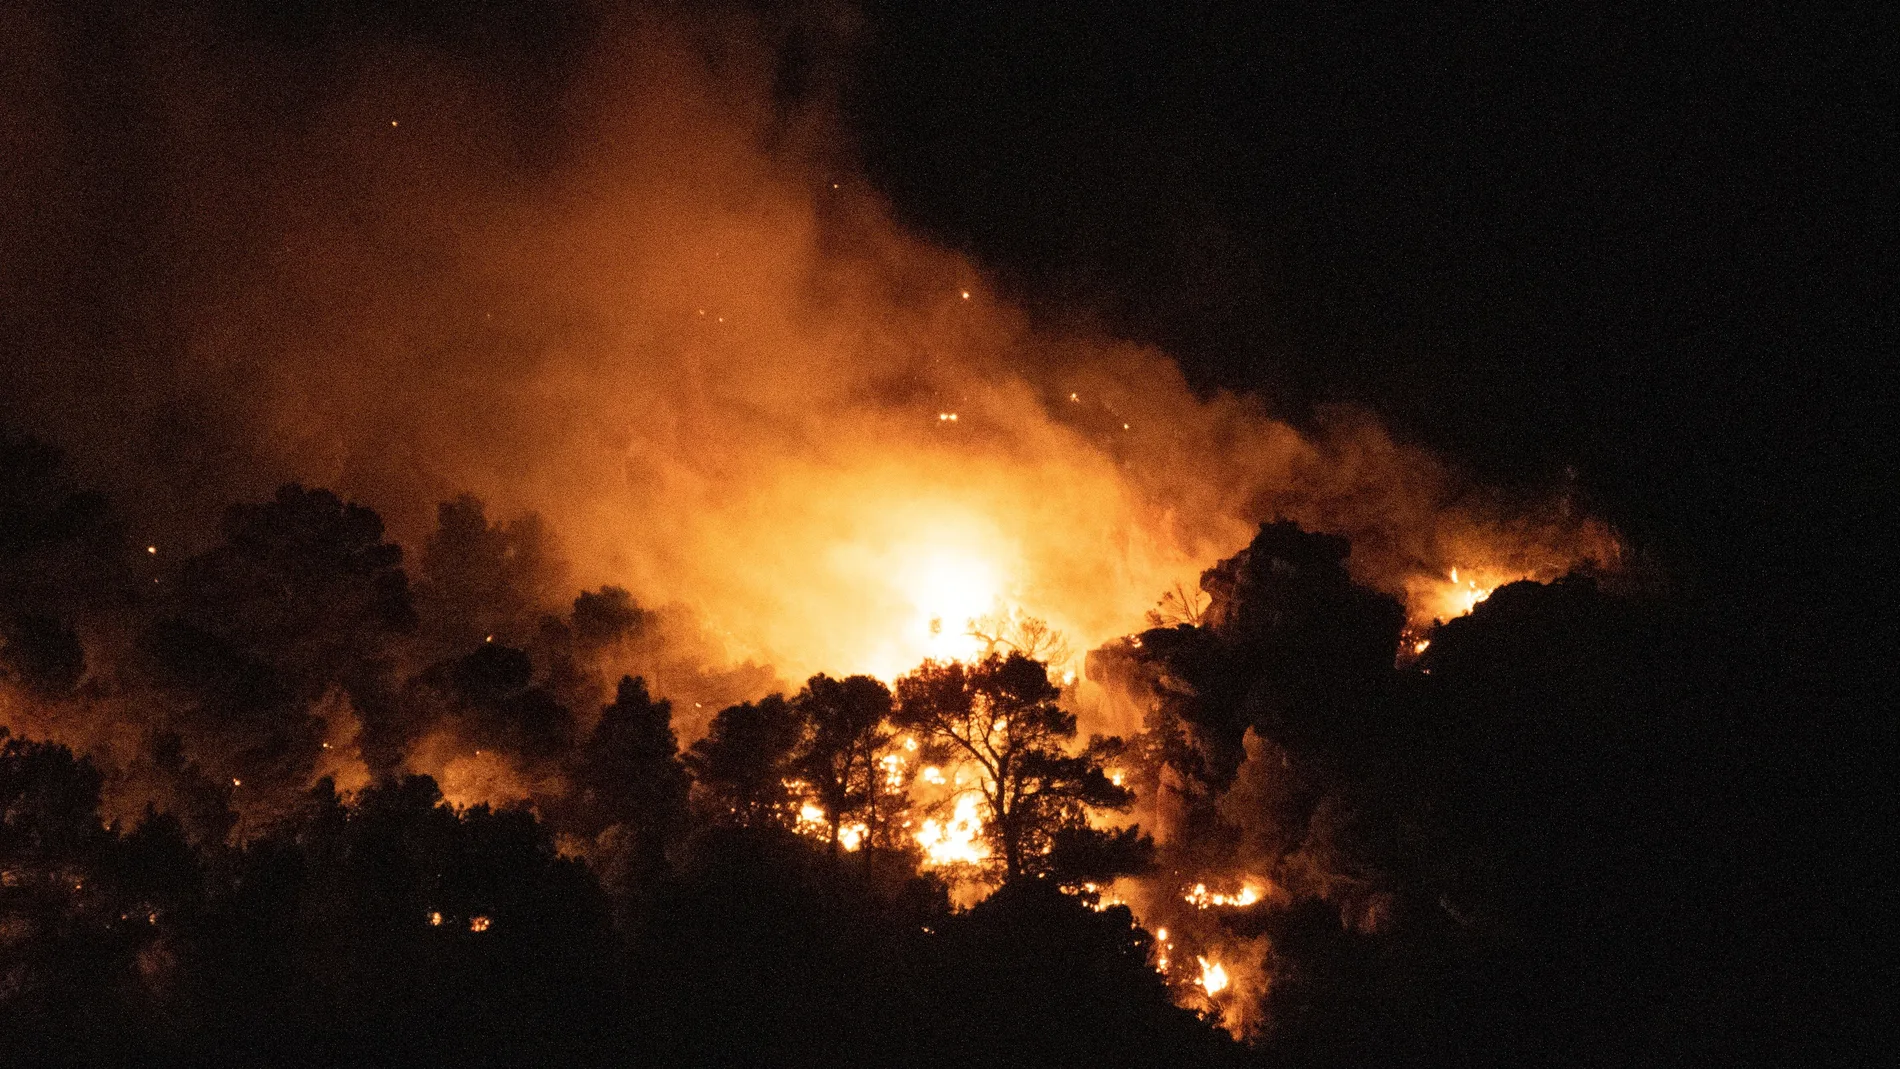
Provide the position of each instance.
(1001, 715)
(847, 730)
(628, 775)
(61, 558)
(301, 596)
(60, 548)
(483, 582)
(491, 699)
(744, 766)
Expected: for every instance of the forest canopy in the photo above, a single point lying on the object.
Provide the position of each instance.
(278, 799)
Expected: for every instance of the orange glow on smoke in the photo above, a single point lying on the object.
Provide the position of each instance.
(771, 408)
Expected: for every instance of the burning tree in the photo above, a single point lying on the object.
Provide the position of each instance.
(843, 758)
(1000, 715)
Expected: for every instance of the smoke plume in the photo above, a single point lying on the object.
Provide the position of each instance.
(641, 293)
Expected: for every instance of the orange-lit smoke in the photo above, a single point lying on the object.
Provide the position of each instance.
(707, 356)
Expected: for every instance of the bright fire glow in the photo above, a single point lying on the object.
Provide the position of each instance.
(960, 840)
(917, 583)
(1104, 898)
(811, 816)
(1201, 898)
(1213, 976)
(811, 822)
(1454, 594)
(949, 588)
(852, 835)
(893, 766)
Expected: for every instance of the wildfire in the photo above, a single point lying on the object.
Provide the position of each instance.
(811, 822)
(1213, 976)
(1102, 898)
(924, 574)
(1469, 597)
(958, 841)
(812, 818)
(1453, 595)
(1200, 897)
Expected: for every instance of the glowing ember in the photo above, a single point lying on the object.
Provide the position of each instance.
(1213, 976)
(1103, 897)
(958, 842)
(435, 918)
(1201, 898)
(478, 923)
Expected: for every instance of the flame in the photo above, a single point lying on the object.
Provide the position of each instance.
(918, 587)
(811, 817)
(1454, 594)
(958, 841)
(478, 923)
(1200, 897)
(893, 766)
(1213, 976)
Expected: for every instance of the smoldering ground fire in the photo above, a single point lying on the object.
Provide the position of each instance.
(691, 371)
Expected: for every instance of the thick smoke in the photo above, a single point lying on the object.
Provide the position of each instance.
(645, 299)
